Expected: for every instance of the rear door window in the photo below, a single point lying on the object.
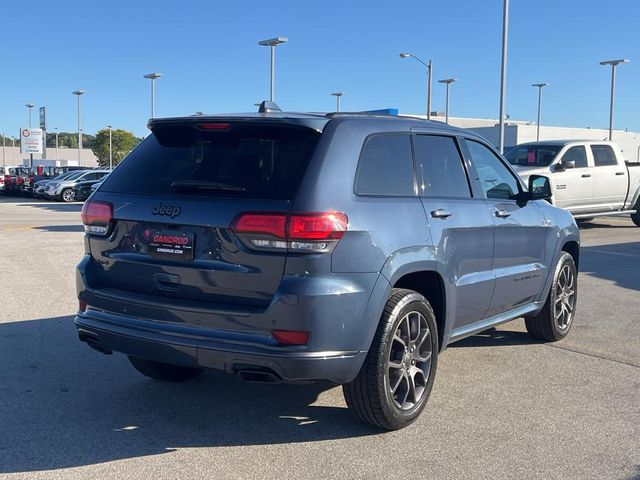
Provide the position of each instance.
(247, 160)
(603, 155)
(439, 168)
(577, 154)
(386, 166)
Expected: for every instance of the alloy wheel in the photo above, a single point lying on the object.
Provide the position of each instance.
(565, 300)
(409, 363)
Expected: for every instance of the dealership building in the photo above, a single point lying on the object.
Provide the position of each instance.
(516, 132)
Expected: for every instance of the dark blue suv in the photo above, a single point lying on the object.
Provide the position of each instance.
(285, 247)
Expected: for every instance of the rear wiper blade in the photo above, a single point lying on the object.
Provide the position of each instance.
(204, 185)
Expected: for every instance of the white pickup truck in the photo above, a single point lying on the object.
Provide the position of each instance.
(588, 178)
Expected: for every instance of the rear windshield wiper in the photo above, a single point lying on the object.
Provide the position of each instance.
(204, 185)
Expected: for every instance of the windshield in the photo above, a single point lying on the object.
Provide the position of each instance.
(532, 155)
(241, 160)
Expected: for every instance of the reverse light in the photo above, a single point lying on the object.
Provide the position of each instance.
(97, 217)
(290, 337)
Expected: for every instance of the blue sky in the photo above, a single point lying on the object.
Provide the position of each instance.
(208, 52)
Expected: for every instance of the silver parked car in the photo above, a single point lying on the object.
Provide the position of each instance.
(63, 190)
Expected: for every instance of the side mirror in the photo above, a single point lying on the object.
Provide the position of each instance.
(539, 188)
(562, 166)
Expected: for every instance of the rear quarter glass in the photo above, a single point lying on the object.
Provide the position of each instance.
(246, 160)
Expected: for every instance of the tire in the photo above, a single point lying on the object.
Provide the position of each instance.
(635, 217)
(381, 394)
(550, 324)
(68, 195)
(164, 371)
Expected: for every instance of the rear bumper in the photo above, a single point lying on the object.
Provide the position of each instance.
(341, 314)
(131, 337)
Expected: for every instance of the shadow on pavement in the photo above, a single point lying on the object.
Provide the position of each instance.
(64, 405)
(617, 262)
(495, 338)
(61, 228)
(55, 207)
(594, 225)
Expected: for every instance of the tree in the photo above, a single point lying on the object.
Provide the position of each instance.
(122, 143)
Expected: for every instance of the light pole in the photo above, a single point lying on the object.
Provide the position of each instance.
(614, 64)
(337, 95)
(447, 82)
(272, 43)
(29, 107)
(3, 153)
(110, 149)
(540, 87)
(429, 77)
(56, 129)
(77, 93)
(503, 71)
(152, 77)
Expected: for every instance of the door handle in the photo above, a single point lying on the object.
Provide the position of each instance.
(586, 175)
(619, 173)
(502, 214)
(440, 213)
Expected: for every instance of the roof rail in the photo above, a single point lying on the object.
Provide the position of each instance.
(393, 112)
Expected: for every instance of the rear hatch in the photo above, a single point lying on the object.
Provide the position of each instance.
(174, 201)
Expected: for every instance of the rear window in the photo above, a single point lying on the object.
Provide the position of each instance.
(386, 166)
(244, 160)
(603, 155)
(532, 155)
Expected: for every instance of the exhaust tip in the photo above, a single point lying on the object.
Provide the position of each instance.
(92, 340)
(257, 375)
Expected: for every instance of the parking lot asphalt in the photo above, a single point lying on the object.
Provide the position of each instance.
(503, 405)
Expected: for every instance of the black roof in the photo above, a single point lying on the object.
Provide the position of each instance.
(317, 121)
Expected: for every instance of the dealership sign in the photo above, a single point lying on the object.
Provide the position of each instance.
(31, 140)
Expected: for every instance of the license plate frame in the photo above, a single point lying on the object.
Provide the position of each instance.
(177, 245)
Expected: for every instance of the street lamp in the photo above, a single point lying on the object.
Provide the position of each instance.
(429, 76)
(77, 93)
(337, 95)
(29, 106)
(272, 43)
(447, 82)
(56, 129)
(540, 87)
(503, 71)
(614, 64)
(152, 77)
(110, 149)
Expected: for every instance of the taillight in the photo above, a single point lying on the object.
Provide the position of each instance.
(82, 305)
(301, 232)
(317, 226)
(274, 225)
(97, 217)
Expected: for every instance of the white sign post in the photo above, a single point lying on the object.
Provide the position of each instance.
(31, 141)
